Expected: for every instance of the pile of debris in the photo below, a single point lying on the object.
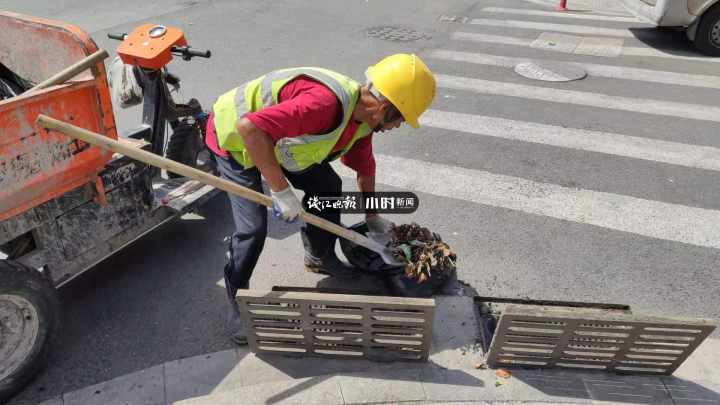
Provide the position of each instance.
(424, 251)
(429, 262)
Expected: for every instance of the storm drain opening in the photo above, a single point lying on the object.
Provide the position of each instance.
(399, 34)
(551, 71)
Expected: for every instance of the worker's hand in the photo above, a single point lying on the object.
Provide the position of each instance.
(377, 224)
(285, 204)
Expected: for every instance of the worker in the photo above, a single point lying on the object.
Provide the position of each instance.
(287, 126)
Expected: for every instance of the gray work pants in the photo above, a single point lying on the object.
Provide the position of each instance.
(250, 218)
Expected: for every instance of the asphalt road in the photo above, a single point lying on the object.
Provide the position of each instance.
(626, 214)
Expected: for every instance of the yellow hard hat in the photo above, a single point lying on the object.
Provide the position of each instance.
(407, 82)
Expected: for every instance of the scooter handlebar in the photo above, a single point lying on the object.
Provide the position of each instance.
(187, 53)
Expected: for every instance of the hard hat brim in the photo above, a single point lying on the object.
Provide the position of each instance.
(413, 123)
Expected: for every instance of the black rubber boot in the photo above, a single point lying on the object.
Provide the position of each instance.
(325, 262)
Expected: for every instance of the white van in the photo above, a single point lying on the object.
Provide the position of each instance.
(700, 17)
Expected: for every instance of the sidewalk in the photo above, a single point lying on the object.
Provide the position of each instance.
(240, 377)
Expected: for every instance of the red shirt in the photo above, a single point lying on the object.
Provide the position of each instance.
(307, 107)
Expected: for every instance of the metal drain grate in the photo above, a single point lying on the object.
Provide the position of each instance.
(337, 325)
(400, 34)
(541, 337)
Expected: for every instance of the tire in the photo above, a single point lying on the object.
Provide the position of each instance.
(707, 38)
(30, 318)
(184, 145)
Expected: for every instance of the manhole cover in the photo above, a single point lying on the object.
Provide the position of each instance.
(551, 71)
(390, 33)
(453, 19)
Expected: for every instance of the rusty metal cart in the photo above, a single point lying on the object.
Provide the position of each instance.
(64, 206)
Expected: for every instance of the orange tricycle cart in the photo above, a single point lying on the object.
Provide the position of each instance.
(64, 205)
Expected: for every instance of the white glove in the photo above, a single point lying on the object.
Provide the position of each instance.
(377, 224)
(286, 204)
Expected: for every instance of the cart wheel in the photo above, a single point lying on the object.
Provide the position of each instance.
(184, 145)
(707, 38)
(29, 323)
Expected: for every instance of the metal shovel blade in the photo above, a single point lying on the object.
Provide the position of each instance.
(380, 241)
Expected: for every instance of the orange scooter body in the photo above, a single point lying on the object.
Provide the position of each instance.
(149, 46)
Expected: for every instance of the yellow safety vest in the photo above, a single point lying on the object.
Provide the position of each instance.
(294, 154)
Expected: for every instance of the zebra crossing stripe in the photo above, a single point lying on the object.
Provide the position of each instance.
(693, 156)
(657, 53)
(552, 4)
(543, 3)
(555, 95)
(615, 72)
(491, 39)
(555, 14)
(654, 219)
(626, 50)
(573, 29)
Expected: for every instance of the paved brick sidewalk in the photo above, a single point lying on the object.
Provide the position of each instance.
(240, 377)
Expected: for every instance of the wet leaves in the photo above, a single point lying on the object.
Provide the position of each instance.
(407, 251)
(481, 366)
(424, 251)
(502, 373)
(503, 376)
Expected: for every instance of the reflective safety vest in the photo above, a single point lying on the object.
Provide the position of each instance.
(294, 154)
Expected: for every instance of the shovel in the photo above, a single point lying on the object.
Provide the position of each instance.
(217, 182)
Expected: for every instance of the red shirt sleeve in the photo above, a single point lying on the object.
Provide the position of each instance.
(306, 107)
(360, 157)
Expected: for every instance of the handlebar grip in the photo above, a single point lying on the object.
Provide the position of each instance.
(186, 52)
(119, 37)
(196, 52)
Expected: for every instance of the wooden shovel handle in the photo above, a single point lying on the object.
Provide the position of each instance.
(72, 70)
(195, 174)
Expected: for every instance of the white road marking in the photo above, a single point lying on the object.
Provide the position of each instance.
(595, 46)
(543, 3)
(675, 153)
(626, 50)
(574, 29)
(658, 53)
(491, 39)
(614, 72)
(555, 95)
(555, 14)
(673, 222)
(600, 46)
(563, 43)
(552, 4)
